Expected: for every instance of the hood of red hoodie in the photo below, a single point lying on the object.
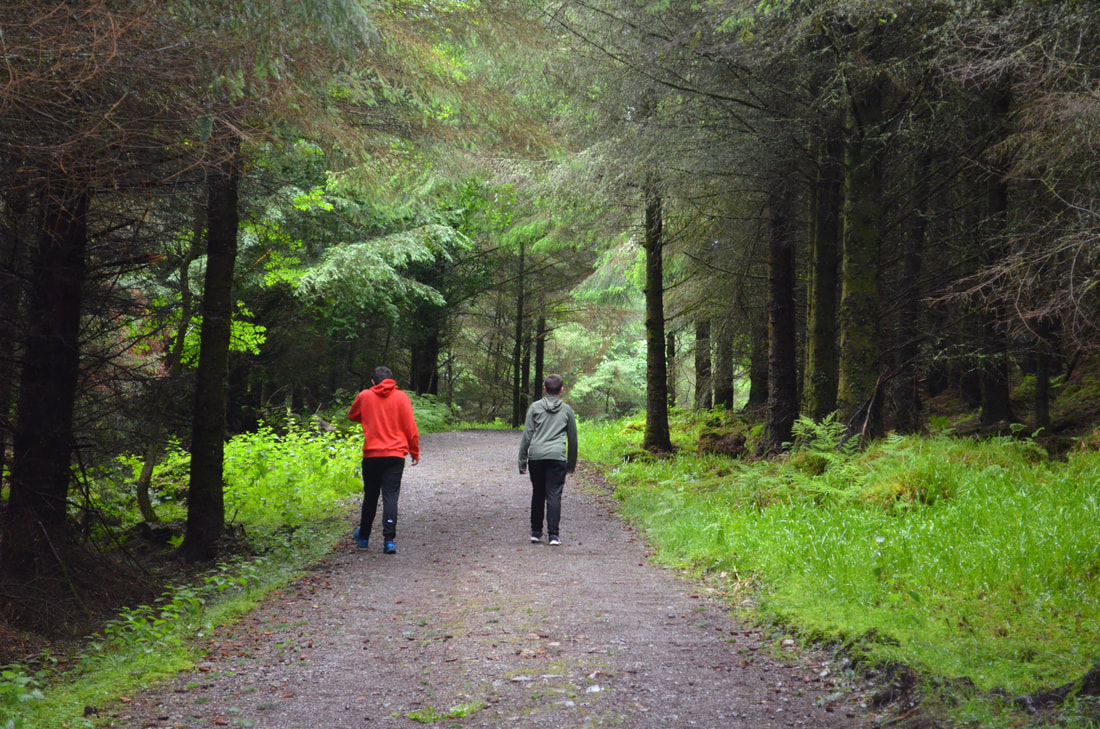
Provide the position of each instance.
(384, 388)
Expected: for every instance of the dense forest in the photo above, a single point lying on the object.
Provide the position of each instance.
(220, 214)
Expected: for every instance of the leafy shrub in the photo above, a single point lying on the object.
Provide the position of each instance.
(16, 690)
(432, 416)
(279, 482)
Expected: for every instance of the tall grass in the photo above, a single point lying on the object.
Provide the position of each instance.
(961, 558)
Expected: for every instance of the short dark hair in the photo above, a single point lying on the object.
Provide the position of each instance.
(553, 384)
(381, 373)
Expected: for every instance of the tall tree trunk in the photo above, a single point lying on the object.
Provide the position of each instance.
(657, 438)
(518, 413)
(703, 398)
(540, 357)
(820, 376)
(429, 324)
(205, 496)
(782, 335)
(42, 447)
(17, 212)
(996, 395)
(525, 375)
(723, 367)
(758, 368)
(906, 399)
(425, 354)
(857, 383)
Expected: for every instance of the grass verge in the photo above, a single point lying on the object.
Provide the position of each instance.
(972, 561)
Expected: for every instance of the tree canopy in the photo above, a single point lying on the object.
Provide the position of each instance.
(220, 214)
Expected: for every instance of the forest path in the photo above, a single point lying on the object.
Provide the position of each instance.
(471, 625)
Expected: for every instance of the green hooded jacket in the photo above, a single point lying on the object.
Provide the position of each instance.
(549, 433)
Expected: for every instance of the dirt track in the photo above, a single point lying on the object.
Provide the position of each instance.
(470, 620)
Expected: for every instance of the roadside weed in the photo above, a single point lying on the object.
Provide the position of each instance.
(17, 689)
(430, 715)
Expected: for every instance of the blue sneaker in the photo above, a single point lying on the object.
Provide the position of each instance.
(363, 543)
(389, 547)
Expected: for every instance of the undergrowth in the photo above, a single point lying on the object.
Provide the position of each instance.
(286, 495)
(964, 559)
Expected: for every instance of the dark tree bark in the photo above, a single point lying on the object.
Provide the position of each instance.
(657, 437)
(518, 413)
(16, 210)
(429, 323)
(820, 376)
(540, 358)
(857, 383)
(782, 366)
(995, 392)
(525, 375)
(723, 367)
(42, 446)
(703, 398)
(907, 405)
(425, 353)
(205, 496)
(758, 369)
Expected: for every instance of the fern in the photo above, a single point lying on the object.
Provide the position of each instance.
(827, 436)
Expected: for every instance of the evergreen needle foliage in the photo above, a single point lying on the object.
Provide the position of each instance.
(963, 559)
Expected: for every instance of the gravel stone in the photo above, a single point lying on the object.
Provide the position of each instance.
(472, 625)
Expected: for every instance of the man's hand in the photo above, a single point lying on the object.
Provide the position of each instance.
(414, 460)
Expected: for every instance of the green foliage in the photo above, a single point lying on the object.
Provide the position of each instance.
(245, 336)
(430, 715)
(961, 558)
(368, 277)
(16, 690)
(149, 629)
(432, 416)
(280, 482)
(817, 447)
(618, 277)
(617, 385)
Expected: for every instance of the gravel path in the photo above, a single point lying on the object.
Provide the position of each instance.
(470, 625)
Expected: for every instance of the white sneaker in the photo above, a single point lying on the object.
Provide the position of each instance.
(535, 539)
(554, 541)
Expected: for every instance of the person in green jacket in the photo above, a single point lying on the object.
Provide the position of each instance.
(549, 451)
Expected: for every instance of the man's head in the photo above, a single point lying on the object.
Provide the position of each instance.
(381, 373)
(553, 384)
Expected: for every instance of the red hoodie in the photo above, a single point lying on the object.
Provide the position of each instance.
(389, 428)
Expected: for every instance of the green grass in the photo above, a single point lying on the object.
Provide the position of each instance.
(959, 558)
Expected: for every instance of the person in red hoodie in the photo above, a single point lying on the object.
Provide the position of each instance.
(389, 433)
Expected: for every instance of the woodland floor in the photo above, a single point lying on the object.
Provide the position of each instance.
(471, 625)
